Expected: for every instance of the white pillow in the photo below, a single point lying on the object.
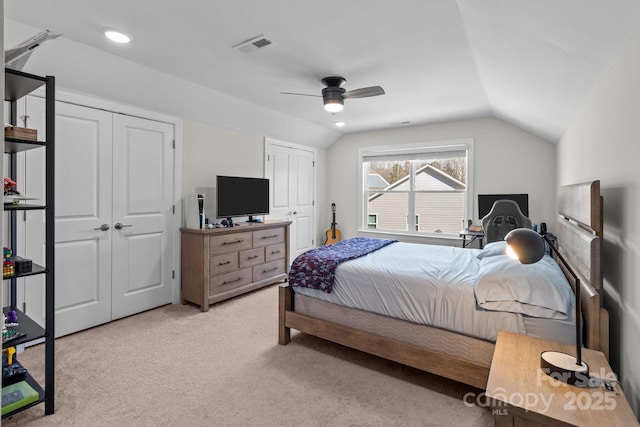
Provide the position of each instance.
(538, 290)
(492, 249)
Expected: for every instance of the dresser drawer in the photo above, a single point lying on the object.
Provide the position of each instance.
(268, 269)
(268, 237)
(251, 257)
(225, 282)
(224, 263)
(274, 252)
(233, 242)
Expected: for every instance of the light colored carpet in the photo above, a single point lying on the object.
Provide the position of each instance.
(177, 366)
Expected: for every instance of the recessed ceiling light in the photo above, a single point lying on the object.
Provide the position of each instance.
(117, 36)
(339, 124)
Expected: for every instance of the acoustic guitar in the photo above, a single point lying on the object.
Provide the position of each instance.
(333, 234)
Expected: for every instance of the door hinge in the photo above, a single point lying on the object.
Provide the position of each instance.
(174, 144)
(174, 209)
(24, 307)
(173, 274)
(313, 242)
(314, 163)
(268, 157)
(313, 203)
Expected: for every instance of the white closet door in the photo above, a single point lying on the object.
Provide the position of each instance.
(291, 174)
(110, 168)
(82, 205)
(142, 204)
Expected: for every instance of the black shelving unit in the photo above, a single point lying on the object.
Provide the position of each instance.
(18, 84)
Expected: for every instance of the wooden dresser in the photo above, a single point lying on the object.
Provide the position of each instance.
(220, 263)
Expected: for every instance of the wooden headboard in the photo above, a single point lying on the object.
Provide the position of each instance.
(580, 230)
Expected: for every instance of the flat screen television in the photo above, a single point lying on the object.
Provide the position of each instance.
(485, 202)
(240, 196)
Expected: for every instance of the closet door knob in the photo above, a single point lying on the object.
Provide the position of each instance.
(103, 227)
(120, 226)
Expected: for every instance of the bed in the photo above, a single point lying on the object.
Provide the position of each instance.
(453, 345)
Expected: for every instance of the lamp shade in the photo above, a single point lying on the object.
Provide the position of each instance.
(527, 245)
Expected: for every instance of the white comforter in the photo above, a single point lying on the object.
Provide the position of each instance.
(426, 284)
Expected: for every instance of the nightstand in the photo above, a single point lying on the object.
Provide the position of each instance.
(523, 395)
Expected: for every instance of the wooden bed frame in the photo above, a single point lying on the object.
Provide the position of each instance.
(579, 230)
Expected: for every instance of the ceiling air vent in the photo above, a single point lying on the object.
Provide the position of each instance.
(253, 44)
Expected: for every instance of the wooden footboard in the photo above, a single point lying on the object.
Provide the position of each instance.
(447, 366)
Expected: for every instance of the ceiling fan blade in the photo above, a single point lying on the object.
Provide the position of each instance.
(300, 94)
(364, 92)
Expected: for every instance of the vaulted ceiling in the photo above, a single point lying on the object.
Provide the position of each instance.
(530, 63)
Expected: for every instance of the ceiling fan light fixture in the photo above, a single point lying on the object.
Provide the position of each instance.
(333, 95)
(333, 105)
(333, 99)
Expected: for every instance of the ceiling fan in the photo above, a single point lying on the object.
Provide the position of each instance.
(334, 94)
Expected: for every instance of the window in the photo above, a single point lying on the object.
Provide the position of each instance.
(418, 189)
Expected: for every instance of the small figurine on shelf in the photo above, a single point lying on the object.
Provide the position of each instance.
(10, 326)
(11, 319)
(11, 193)
(10, 187)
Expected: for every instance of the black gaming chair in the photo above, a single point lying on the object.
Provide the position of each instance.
(504, 216)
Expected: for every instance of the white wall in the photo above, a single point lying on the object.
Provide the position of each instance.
(209, 150)
(507, 160)
(603, 142)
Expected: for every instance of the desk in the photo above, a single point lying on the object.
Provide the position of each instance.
(473, 236)
(523, 395)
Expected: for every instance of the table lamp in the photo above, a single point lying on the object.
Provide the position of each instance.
(528, 247)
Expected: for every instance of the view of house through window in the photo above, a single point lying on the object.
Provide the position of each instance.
(425, 193)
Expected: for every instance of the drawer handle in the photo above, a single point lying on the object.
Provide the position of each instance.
(252, 257)
(231, 281)
(233, 243)
(270, 237)
(224, 263)
(270, 270)
(275, 252)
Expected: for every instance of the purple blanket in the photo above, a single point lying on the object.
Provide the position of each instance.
(316, 268)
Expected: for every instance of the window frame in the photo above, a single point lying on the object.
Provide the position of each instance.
(413, 150)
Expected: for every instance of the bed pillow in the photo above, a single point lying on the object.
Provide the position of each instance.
(538, 290)
(493, 249)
